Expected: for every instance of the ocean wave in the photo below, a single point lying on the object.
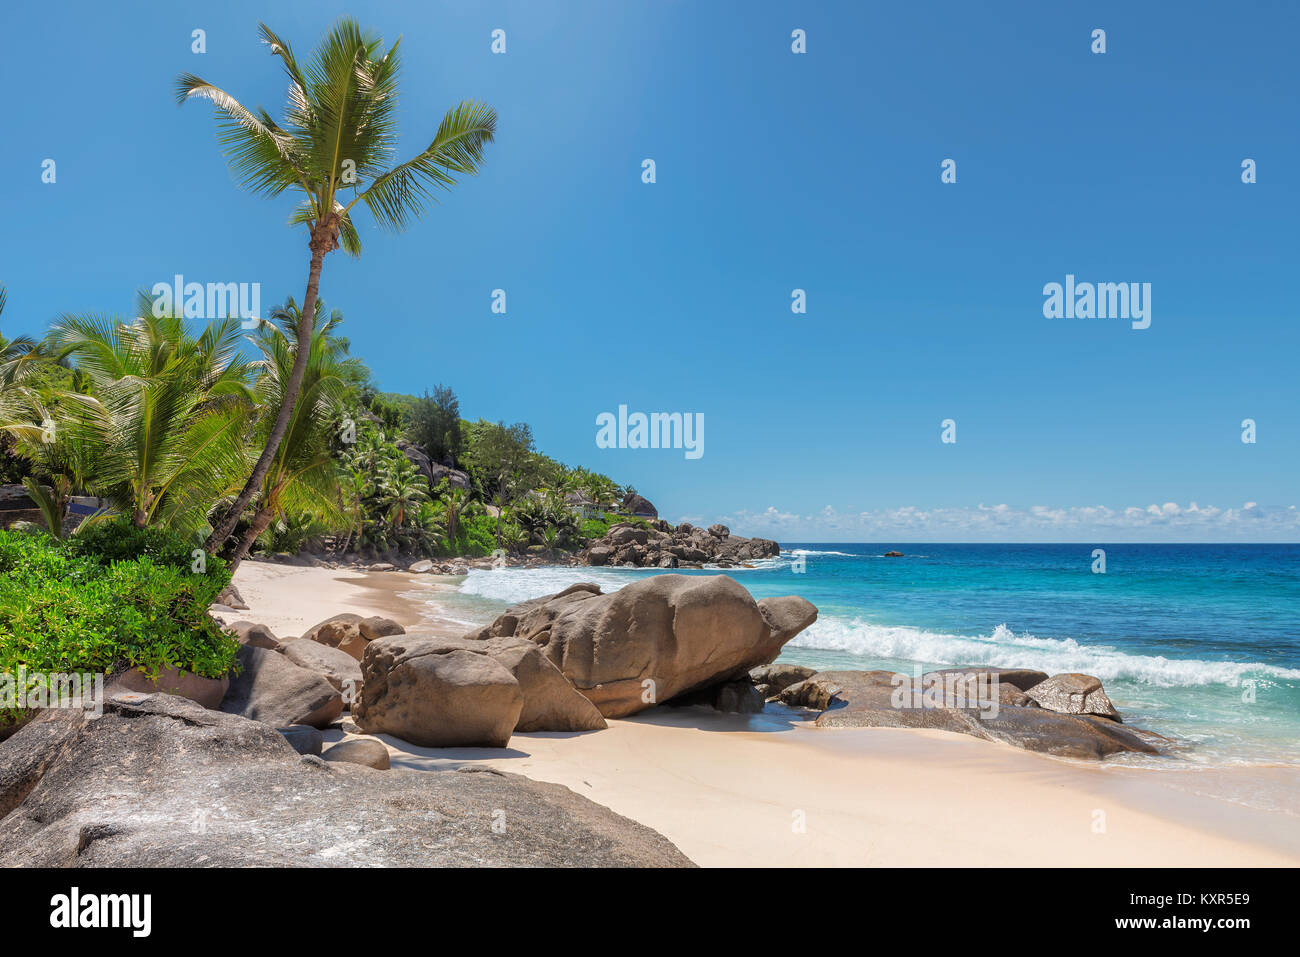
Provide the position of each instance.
(811, 551)
(1008, 649)
(511, 585)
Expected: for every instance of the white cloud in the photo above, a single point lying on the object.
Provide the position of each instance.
(1007, 523)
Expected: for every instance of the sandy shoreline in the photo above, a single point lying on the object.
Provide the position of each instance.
(735, 790)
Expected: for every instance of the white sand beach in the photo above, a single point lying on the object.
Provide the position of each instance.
(773, 790)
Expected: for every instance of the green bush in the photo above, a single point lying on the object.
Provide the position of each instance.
(114, 597)
(476, 536)
(594, 528)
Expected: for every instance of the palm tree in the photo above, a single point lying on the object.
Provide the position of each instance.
(166, 414)
(302, 476)
(16, 366)
(353, 487)
(339, 133)
(455, 500)
(401, 492)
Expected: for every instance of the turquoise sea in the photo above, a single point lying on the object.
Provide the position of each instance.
(1198, 642)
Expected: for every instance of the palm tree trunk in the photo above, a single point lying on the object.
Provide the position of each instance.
(305, 323)
(260, 522)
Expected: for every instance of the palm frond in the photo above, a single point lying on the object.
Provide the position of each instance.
(457, 148)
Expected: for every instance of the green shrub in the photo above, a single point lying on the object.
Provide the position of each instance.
(476, 536)
(114, 597)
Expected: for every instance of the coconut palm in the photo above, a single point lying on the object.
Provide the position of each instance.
(302, 477)
(16, 367)
(401, 491)
(354, 487)
(454, 500)
(335, 147)
(166, 415)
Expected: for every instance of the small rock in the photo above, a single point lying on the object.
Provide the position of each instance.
(1074, 694)
(366, 751)
(231, 598)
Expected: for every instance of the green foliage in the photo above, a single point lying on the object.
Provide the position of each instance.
(113, 598)
(594, 528)
(164, 419)
(435, 425)
(501, 460)
(476, 537)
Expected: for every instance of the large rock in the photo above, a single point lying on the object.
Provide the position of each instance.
(208, 692)
(1073, 694)
(531, 619)
(351, 633)
(551, 702)
(163, 783)
(640, 506)
(251, 633)
(871, 699)
(409, 670)
(337, 667)
(272, 689)
(657, 638)
(437, 692)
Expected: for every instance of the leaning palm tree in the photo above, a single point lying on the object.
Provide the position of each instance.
(335, 147)
(302, 476)
(166, 413)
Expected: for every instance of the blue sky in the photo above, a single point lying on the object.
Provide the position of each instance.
(775, 171)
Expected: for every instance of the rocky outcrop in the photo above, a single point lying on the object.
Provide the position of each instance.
(640, 506)
(160, 782)
(272, 689)
(771, 680)
(657, 638)
(658, 545)
(351, 633)
(1073, 694)
(461, 692)
(339, 668)
(432, 471)
(880, 699)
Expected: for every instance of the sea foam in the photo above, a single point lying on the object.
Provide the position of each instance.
(1008, 649)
